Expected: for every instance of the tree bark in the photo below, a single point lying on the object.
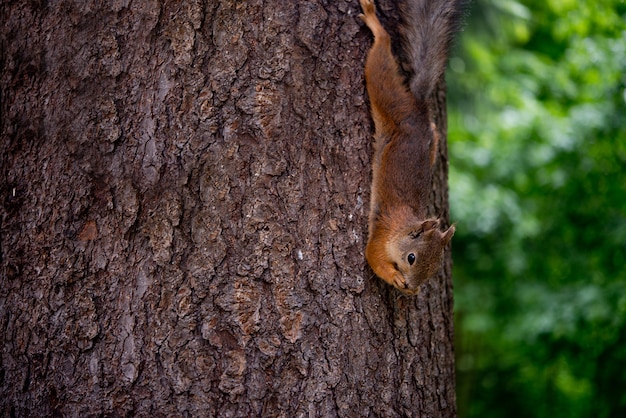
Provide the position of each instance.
(185, 190)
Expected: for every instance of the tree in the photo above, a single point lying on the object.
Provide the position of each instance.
(184, 203)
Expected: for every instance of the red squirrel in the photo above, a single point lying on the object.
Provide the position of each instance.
(405, 247)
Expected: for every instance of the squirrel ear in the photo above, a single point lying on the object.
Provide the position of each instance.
(429, 224)
(447, 236)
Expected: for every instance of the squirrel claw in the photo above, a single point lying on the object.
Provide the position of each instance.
(368, 6)
(410, 292)
(399, 282)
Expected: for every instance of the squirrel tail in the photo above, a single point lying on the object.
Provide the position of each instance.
(428, 28)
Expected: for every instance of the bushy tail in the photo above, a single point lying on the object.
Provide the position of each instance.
(428, 28)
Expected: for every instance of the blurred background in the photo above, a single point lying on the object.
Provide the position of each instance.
(537, 131)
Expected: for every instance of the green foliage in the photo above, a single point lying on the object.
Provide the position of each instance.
(538, 191)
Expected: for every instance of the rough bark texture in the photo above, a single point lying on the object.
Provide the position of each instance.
(184, 195)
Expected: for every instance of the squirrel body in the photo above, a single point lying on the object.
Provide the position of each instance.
(405, 247)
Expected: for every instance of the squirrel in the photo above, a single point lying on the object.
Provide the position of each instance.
(405, 247)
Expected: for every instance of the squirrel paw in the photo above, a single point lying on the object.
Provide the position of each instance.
(368, 6)
(369, 11)
(399, 282)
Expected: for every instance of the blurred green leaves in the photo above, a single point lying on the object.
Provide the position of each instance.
(537, 130)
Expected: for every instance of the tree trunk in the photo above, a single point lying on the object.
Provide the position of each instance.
(185, 190)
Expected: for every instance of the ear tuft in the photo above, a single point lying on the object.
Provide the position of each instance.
(447, 235)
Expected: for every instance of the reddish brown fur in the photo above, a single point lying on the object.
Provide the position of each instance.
(404, 151)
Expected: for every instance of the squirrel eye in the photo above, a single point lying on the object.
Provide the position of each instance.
(411, 258)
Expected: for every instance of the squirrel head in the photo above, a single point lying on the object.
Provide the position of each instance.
(417, 252)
